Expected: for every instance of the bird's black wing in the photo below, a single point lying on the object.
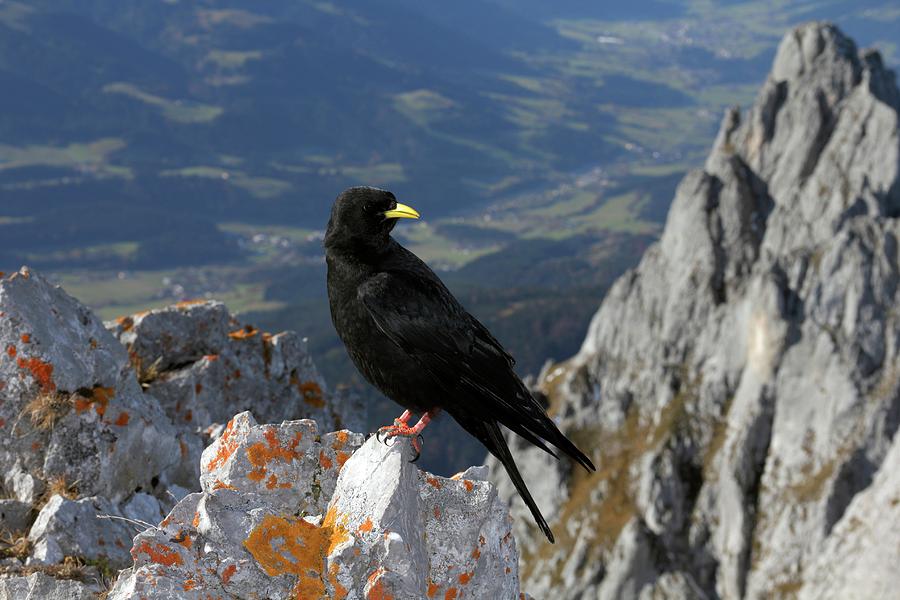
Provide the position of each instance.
(464, 360)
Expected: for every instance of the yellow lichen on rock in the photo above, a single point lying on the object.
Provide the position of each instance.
(288, 545)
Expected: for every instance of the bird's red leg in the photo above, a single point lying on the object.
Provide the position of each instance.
(403, 419)
(401, 429)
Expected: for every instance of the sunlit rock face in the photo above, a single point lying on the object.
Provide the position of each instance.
(102, 437)
(739, 388)
(71, 408)
(285, 513)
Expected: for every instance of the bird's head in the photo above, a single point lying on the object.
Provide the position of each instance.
(363, 217)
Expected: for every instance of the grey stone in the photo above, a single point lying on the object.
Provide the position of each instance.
(144, 508)
(355, 522)
(739, 389)
(15, 516)
(75, 528)
(204, 366)
(105, 434)
(859, 557)
(39, 586)
(25, 486)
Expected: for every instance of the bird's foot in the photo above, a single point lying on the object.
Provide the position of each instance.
(401, 429)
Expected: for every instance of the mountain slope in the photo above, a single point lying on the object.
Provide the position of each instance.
(740, 388)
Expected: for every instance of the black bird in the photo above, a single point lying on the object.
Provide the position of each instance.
(411, 339)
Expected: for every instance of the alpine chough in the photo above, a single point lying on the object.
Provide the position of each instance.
(411, 339)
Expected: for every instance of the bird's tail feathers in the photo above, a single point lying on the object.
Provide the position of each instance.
(497, 446)
(540, 425)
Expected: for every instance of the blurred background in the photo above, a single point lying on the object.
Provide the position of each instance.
(156, 151)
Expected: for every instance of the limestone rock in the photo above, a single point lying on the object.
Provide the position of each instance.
(739, 389)
(859, 557)
(286, 513)
(39, 586)
(15, 516)
(205, 366)
(70, 406)
(75, 528)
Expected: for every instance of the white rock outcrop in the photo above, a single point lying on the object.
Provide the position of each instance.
(285, 513)
(740, 389)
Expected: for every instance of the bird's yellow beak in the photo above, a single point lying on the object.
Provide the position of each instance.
(402, 212)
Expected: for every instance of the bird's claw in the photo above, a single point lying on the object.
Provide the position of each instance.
(417, 443)
(400, 429)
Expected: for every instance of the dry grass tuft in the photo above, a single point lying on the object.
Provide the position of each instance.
(47, 408)
(57, 486)
(146, 374)
(72, 567)
(15, 545)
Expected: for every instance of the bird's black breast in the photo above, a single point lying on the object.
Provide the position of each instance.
(384, 364)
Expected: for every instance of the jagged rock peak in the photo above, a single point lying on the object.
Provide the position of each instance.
(740, 389)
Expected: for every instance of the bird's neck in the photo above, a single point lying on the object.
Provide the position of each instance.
(359, 252)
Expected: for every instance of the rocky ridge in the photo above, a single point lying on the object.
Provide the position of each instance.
(739, 389)
(104, 467)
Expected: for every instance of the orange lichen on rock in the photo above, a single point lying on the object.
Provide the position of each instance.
(465, 578)
(221, 485)
(228, 573)
(287, 545)
(11, 351)
(122, 420)
(99, 399)
(196, 522)
(376, 587)
(227, 446)
(189, 303)
(451, 593)
(189, 585)
(324, 460)
(476, 553)
(311, 392)
(211, 357)
(340, 592)
(126, 323)
(40, 370)
(340, 439)
(469, 485)
(26, 338)
(342, 457)
(433, 482)
(272, 483)
(185, 540)
(432, 589)
(260, 454)
(245, 332)
(366, 526)
(160, 554)
(437, 512)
